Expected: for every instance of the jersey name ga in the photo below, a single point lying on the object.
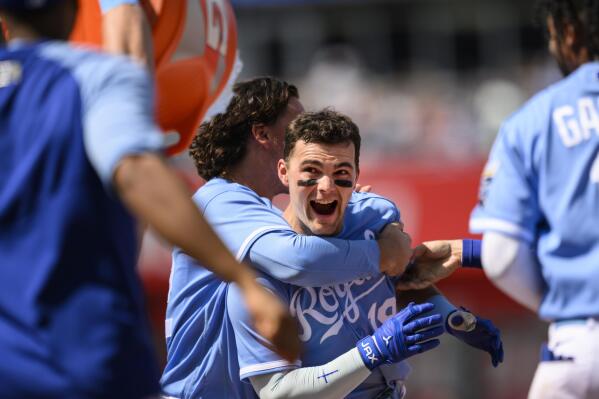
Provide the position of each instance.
(577, 125)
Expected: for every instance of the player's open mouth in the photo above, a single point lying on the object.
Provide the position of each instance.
(323, 207)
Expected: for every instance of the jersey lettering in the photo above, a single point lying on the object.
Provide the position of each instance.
(324, 306)
(575, 128)
(369, 352)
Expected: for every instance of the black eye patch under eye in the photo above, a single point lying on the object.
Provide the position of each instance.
(313, 182)
(307, 182)
(344, 183)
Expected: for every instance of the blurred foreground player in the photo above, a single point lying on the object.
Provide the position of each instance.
(79, 149)
(539, 206)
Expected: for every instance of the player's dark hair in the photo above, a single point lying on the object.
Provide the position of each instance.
(583, 15)
(53, 21)
(322, 127)
(221, 143)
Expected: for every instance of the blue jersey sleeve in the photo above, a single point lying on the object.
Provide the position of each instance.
(368, 211)
(367, 215)
(119, 119)
(311, 261)
(508, 203)
(107, 5)
(118, 107)
(256, 231)
(253, 353)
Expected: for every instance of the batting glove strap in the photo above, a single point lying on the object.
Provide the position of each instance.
(370, 351)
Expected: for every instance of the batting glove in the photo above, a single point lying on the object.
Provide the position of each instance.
(477, 332)
(402, 336)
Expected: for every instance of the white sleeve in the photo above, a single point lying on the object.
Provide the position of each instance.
(512, 266)
(335, 379)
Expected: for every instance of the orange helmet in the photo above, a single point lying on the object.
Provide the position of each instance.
(195, 49)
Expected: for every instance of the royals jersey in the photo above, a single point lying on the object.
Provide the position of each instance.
(331, 318)
(541, 185)
(72, 320)
(201, 351)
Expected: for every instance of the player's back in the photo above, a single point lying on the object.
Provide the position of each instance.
(555, 139)
(201, 351)
(71, 318)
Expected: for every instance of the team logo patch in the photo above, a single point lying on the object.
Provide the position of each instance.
(10, 73)
(489, 172)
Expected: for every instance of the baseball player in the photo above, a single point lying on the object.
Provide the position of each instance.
(237, 152)
(354, 339)
(80, 154)
(539, 205)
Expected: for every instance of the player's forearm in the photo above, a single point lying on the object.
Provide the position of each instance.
(430, 294)
(126, 31)
(513, 268)
(418, 296)
(335, 379)
(311, 261)
(157, 196)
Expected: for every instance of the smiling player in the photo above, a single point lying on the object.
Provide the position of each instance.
(354, 339)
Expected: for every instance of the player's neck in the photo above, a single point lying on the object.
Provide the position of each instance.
(294, 222)
(258, 175)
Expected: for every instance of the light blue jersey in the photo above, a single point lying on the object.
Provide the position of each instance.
(541, 185)
(332, 318)
(201, 352)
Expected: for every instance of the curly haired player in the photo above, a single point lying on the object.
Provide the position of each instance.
(539, 205)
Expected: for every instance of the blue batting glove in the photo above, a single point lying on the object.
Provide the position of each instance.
(477, 332)
(401, 336)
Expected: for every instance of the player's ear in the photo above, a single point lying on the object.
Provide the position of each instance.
(573, 38)
(259, 133)
(282, 170)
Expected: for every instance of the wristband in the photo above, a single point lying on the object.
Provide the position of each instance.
(471, 253)
(370, 352)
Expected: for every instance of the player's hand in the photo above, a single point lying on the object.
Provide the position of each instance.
(272, 320)
(126, 30)
(433, 261)
(396, 250)
(477, 332)
(402, 336)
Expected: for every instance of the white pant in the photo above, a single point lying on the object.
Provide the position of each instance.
(577, 378)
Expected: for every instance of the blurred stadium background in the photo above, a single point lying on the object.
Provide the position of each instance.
(428, 82)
